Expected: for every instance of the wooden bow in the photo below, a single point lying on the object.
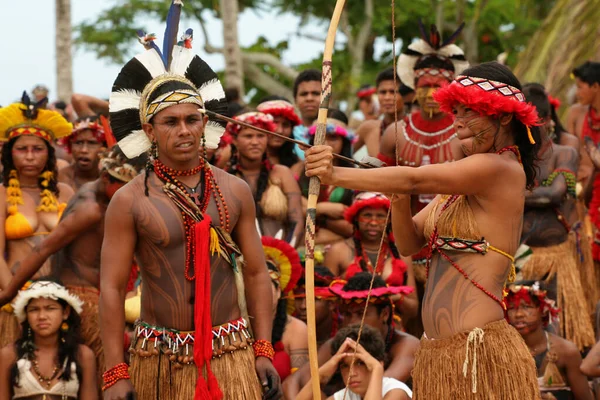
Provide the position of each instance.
(313, 195)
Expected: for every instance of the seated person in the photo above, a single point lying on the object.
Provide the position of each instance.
(368, 216)
(326, 313)
(289, 335)
(400, 346)
(365, 376)
(529, 310)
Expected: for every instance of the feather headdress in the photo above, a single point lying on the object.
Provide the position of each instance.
(46, 290)
(430, 44)
(27, 118)
(155, 80)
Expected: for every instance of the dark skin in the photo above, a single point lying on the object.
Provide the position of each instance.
(341, 255)
(526, 317)
(151, 229)
(77, 239)
(369, 132)
(51, 314)
(85, 149)
(402, 350)
(251, 146)
(393, 137)
(451, 303)
(541, 226)
(324, 315)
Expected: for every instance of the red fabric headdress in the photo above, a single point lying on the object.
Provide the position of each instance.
(378, 295)
(280, 108)
(95, 127)
(521, 293)
(363, 200)
(257, 119)
(487, 97)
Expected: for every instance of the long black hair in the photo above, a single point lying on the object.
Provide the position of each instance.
(280, 319)
(8, 165)
(529, 152)
(536, 94)
(68, 344)
(263, 178)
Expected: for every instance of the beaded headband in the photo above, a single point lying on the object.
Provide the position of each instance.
(435, 72)
(487, 97)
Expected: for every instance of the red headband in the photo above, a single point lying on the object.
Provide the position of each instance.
(256, 119)
(377, 200)
(487, 97)
(366, 92)
(377, 294)
(435, 72)
(280, 108)
(95, 127)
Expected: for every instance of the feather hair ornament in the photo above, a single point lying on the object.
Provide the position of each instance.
(430, 44)
(157, 79)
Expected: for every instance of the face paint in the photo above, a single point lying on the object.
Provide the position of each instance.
(425, 99)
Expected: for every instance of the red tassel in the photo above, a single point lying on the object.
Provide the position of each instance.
(209, 388)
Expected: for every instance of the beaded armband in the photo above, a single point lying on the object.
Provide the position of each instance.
(115, 374)
(569, 178)
(263, 348)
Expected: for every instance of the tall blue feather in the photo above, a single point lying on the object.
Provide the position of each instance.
(171, 32)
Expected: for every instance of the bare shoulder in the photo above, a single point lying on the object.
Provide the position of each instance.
(63, 187)
(65, 172)
(566, 349)
(405, 343)
(235, 184)
(341, 247)
(297, 326)
(369, 126)
(85, 355)
(568, 139)
(577, 110)
(281, 170)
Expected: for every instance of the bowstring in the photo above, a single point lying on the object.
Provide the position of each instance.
(387, 217)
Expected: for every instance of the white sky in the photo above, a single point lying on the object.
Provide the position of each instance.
(28, 56)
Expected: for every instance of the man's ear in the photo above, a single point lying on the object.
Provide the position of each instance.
(149, 130)
(505, 119)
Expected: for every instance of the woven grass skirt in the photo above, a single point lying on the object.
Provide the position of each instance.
(492, 363)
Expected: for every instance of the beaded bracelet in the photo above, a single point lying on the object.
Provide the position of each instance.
(263, 348)
(115, 374)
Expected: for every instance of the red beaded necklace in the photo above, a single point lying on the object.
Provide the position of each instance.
(208, 181)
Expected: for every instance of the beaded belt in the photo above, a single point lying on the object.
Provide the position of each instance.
(179, 345)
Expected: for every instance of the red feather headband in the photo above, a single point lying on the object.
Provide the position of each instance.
(280, 108)
(487, 97)
(364, 200)
(366, 92)
(95, 127)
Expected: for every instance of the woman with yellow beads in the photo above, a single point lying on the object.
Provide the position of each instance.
(32, 197)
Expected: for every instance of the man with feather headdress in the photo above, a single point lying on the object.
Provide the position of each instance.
(180, 220)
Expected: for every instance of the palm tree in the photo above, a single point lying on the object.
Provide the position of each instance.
(64, 59)
(569, 36)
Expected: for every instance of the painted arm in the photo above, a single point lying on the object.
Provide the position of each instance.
(591, 363)
(470, 176)
(295, 382)
(257, 283)
(87, 386)
(554, 195)
(118, 248)
(83, 217)
(577, 381)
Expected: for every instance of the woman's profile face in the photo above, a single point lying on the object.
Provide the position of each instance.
(45, 316)
(30, 155)
(476, 132)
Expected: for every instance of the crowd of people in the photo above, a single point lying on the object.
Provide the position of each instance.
(153, 251)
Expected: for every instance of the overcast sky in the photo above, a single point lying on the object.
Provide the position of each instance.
(28, 56)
